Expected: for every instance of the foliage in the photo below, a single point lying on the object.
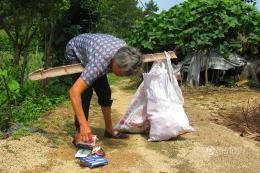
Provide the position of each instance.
(5, 42)
(194, 24)
(150, 8)
(253, 84)
(225, 25)
(31, 108)
(83, 13)
(17, 134)
(28, 27)
(247, 1)
(145, 35)
(76, 17)
(118, 17)
(21, 20)
(22, 104)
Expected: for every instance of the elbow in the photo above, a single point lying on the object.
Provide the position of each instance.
(77, 88)
(72, 92)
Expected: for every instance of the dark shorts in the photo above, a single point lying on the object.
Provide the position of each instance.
(100, 86)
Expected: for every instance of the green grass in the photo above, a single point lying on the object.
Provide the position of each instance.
(166, 148)
(112, 78)
(7, 146)
(185, 167)
(129, 83)
(20, 132)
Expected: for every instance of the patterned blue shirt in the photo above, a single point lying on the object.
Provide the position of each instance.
(95, 52)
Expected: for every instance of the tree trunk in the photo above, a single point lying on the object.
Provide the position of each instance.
(17, 55)
(206, 68)
(24, 65)
(49, 34)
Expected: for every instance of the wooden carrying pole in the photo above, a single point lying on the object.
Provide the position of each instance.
(78, 68)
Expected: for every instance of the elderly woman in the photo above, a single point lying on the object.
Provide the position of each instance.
(99, 54)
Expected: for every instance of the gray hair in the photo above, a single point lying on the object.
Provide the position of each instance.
(129, 60)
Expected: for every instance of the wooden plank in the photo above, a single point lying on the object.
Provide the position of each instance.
(241, 82)
(78, 68)
(158, 56)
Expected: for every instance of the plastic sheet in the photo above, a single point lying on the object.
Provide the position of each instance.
(196, 62)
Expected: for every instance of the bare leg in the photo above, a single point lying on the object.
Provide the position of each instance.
(109, 130)
(103, 92)
(108, 120)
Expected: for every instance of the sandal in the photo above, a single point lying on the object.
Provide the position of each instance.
(117, 136)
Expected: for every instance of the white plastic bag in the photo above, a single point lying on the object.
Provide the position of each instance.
(164, 103)
(135, 120)
(157, 106)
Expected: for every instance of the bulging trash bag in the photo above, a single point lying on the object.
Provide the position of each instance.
(157, 106)
(164, 103)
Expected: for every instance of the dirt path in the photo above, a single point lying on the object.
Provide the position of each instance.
(213, 147)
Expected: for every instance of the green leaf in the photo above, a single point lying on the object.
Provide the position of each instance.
(13, 85)
(192, 44)
(202, 23)
(3, 72)
(232, 21)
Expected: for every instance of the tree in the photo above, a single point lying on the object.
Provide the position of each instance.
(25, 22)
(221, 25)
(75, 17)
(247, 1)
(84, 13)
(150, 7)
(49, 30)
(118, 17)
(21, 20)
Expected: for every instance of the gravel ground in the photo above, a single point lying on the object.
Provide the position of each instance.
(212, 147)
